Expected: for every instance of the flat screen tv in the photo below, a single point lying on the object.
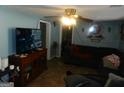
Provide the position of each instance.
(27, 40)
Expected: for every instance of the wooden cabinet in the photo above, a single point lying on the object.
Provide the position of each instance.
(30, 65)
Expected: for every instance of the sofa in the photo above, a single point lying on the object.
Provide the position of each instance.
(88, 55)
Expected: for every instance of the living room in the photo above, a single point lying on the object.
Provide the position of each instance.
(83, 46)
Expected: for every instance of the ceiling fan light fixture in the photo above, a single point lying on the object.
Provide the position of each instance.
(70, 11)
(70, 17)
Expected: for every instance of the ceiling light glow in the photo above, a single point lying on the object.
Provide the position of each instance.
(68, 21)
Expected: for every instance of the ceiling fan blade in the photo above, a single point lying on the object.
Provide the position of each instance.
(85, 19)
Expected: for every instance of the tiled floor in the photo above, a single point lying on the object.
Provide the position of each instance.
(54, 75)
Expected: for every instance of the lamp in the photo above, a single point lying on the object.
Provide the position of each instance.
(69, 19)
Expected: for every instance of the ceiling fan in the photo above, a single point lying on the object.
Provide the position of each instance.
(71, 12)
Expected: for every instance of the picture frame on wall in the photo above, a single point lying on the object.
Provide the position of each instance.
(122, 32)
(95, 33)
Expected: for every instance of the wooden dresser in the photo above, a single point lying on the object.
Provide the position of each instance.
(30, 65)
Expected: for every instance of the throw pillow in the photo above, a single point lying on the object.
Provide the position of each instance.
(114, 81)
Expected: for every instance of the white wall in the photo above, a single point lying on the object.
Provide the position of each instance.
(111, 39)
(9, 20)
(55, 35)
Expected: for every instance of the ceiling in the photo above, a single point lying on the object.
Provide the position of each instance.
(95, 12)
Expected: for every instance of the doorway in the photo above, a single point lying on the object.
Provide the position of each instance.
(66, 40)
(46, 31)
(43, 35)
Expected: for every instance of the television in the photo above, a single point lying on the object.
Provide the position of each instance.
(27, 40)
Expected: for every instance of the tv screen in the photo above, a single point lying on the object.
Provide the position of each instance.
(27, 39)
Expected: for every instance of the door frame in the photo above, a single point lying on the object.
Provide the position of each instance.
(60, 40)
(48, 37)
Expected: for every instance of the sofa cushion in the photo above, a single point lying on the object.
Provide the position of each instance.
(80, 81)
(103, 51)
(86, 56)
(114, 81)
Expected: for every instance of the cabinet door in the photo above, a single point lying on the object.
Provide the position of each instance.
(26, 73)
(37, 67)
